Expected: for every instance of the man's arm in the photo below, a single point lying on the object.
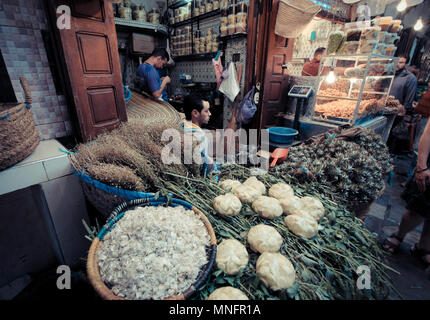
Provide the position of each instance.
(157, 94)
(411, 88)
(423, 154)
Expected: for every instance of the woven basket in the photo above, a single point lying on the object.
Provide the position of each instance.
(92, 263)
(293, 17)
(18, 134)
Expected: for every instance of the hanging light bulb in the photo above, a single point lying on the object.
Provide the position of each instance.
(331, 77)
(402, 5)
(419, 25)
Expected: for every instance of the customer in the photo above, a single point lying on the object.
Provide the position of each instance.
(197, 114)
(404, 84)
(422, 108)
(417, 197)
(148, 78)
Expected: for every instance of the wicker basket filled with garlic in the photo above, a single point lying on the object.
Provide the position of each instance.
(150, 250)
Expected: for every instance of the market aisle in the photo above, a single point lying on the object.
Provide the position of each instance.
(384, 217)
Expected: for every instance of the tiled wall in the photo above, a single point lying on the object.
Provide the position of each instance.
(21, 44)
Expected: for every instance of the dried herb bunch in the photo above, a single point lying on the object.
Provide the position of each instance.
(340, 167)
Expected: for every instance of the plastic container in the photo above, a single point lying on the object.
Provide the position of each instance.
(395, 24)
(353, 35)
(209, 6)
(240, 28)
(231, 29)
(381, 48)
(381, 36)
(355, 72)
(215, 4)
(390, 50)
(335, 40)
(384, 23)
(368, 46)
(282, 135)
(351, 47)
(390, 38)
(224, 30)
(370, 33)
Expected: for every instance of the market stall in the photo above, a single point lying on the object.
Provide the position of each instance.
(312, 235)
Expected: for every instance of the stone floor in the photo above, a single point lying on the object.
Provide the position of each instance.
(383, 218)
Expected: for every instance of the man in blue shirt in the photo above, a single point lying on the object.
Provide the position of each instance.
(148, 78)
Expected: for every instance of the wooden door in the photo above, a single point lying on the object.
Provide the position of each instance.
(90, 53)
(275, 84)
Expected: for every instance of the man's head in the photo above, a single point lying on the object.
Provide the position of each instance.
(403, 60)
(160, 57)
(196, 109)
(318, 53)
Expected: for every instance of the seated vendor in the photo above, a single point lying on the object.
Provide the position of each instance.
(148, 78)
(311, 68)
(197, 114)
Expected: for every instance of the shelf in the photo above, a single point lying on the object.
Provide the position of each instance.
(197, 56)
(197, 18)
(362, 78)
(141, 26)
(178, 4)
(339, 98)
(234, 36)
(353, 57)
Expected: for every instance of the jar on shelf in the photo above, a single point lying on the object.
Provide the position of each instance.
(188, 11)
(223, 4)
(125, 11)
(196, 10)
(202, 48)
(215, 4)
(224, 30)
(202, 6)
(154, 16)
(209, 6)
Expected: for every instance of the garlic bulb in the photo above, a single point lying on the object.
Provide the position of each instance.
(256, 184)
(229, 185)
(246, 193)
(231, 256)
(281, 191)
(303, 226)
(227, 293)
(276, 271)
(227, 204)
(291, 205)
(266, 207)
(262, 238)
(313, 207)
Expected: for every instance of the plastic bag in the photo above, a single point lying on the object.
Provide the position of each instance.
(247, 108)
(230, 86)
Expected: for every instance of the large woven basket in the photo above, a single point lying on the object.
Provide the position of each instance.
(293, 17)
(92, 262)
(18, 134)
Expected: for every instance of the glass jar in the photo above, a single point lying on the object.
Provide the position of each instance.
(215, 4)
(202, 7)
(223, 4)
(196, 10)
(224, 30)
(209, 6)
(154, 16)
(231, 29)
(125, 12)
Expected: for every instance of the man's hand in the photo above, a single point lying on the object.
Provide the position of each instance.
(166, 80)
(421, 179)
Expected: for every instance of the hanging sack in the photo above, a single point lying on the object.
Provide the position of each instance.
(230, 86)
(293, 17)
(247, 108)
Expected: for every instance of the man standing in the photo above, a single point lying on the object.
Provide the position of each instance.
(404, 84)
(148, 78)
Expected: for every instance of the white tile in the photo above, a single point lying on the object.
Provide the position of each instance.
(45, 150)
(16, 178)
(57, 167)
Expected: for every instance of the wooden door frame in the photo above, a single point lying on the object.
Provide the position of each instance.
(258, 39)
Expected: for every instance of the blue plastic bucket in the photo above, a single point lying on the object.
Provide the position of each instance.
(282, 135)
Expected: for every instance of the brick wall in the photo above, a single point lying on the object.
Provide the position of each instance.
(21, 43)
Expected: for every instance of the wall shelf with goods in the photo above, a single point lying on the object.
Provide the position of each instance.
(141, 27)
(358, 96)
(188, 39)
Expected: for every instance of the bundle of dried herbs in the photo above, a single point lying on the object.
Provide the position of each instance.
(343, 168)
